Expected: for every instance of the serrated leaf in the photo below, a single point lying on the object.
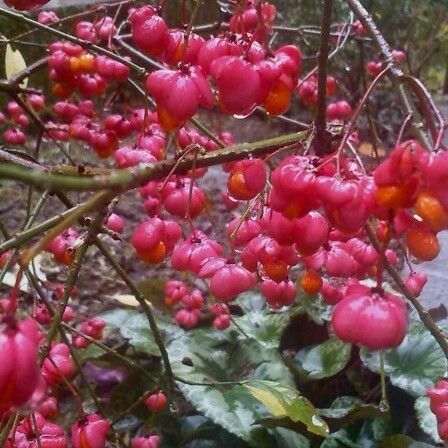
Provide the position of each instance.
(316, 308)
(14, 63)
(134, 326)
(426, 419)
(250, 301)
(207, 356)
(265, 326)
(323, 360)
(413, 366)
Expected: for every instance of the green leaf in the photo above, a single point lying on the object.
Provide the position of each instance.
(316, 308)
(324, 360)
(286, 438)
(154, 291)
(265, 326)
(250, 301)
(401, 441)
(426, 419)
(365, 434)
(284, 401)
(91, 352)
(413, 366)
(133, 325)
(207, 356)
(347, 409)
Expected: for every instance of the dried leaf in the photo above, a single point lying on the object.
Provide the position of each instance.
(367, 149)
(14, 63)
(126, 299)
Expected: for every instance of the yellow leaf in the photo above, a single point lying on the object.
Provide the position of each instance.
(273, 404)
(126, 299)
(367, 149)
(14, 63)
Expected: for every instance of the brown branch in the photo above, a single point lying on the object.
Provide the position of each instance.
(124, 179)
(26, 72)
(322, 138)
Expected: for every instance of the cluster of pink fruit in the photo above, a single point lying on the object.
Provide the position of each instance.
(17, 120)
(191, 303)
(22, 381)
(438, 401)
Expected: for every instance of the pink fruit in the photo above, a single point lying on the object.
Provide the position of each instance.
(145, 442)
(175, 290)
(415, 282)
(115, 223)
(58, 365)
(176, 51)
(398, 56)
(37, 101)
(230, 281)
(49, 407)
(19, 373)
(182, 199)
(247, 179)
(278, 227)
(47, 17)
(190, 254)
(154, 238)
(38, 433)
(280, 294)
(127, 157)
(166, 86)
(25, 5)
(340, 110)
(149, 31)
(187, 318)
(110, 69)
(377, 321)
(221, 322)
(86, 31)
(156, 402)
(194, 300)
(215, 48)
(14, 136)
(310, 233)
(374, 68)
(229, 71)
(90, 431)
(105, 28)
(241, 231)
